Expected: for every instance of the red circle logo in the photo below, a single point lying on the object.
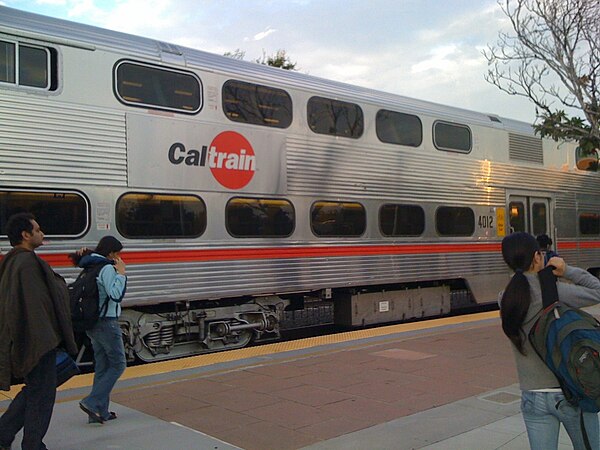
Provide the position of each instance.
(231, 160)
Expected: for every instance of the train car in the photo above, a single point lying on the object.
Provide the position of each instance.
(245, 193)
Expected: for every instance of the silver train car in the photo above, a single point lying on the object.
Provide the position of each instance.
(244, 193)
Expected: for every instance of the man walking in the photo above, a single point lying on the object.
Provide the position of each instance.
(34, 320)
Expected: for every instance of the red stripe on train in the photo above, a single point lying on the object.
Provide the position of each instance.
(233, 254)
(171, 256)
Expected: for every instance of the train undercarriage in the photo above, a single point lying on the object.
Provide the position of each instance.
(181, 329)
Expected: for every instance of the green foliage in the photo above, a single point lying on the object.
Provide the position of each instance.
(279, 59)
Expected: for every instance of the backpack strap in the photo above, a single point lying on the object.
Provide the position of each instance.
(103, 309)
(548, 285)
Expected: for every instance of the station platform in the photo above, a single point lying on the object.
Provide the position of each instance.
(440, 384)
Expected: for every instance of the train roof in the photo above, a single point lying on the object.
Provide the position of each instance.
(59, 31)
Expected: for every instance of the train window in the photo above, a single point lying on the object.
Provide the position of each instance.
(146, 215)
(516, 212)
(455, 221)
(398, 128)
(538, 218)
(158, 88)
(26, 65)
(258, 217)
(256, 104)
(589, 224)
(60, 214)
(327, 116)
(586, 159)
(338, 219)
(401, 220)
(452, 137)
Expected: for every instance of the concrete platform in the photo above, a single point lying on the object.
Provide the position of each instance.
(444, 384)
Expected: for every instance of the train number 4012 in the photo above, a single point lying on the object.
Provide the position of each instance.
(486, 221)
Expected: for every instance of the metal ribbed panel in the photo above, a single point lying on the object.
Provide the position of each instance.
(69, 143)
(320, 168)
(525, 148)
(168, 282)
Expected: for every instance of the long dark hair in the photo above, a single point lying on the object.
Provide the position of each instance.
(518, 250)
(105, 247)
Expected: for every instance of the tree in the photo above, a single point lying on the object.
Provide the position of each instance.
(279, 59)
(553, 58)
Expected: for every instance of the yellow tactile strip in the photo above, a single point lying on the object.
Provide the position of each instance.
(268, 349)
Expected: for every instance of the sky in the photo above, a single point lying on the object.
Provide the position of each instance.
(425, 49)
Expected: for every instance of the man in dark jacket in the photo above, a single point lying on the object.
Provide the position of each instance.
(34, 320)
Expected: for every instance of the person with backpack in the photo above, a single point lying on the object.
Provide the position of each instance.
(543, 403)
(105, 333)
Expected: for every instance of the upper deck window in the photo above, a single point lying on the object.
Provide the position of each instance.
(452, 137)
(26, 65)
(328, 116)
(147, 86)
(399, 128)
(257, 104)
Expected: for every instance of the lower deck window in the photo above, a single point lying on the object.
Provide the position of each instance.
(145, 215)
(338, 219)
(455, 221)
(60, 214)
(401, 220)
(259, 217)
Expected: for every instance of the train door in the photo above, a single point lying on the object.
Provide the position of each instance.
(530, 214)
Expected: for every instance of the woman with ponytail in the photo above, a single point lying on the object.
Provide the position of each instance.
(543, 404)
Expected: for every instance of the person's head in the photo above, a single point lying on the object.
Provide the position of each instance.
(23, 230)
(109, 246)
(521, 253)
(544, 241)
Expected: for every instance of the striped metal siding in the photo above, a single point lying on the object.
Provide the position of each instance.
(525, 148)
(333, 168)
(150, 284)
(70, 144)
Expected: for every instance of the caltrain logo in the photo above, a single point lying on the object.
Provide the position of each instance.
(229, 156)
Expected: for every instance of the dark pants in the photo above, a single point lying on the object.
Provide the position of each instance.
(32, 408)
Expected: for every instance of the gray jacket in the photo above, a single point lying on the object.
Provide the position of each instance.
(584, 290)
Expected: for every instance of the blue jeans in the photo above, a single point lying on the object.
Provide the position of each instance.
(543, 413)
(32, 408)
(110, 362)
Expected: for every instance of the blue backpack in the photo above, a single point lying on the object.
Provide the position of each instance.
(568, 341)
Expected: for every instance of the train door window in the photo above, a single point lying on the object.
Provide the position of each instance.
(26, 65)
(147, 86)
(452, 137)
(455, 221)
(256, 104)
(60, 214)
(338, 219)
(518, 217)
(589, 224)
(334, 117)
(147, 215)
(258, 217)
(539, 218)
(401, 220)
(529, 214)
(399, 128)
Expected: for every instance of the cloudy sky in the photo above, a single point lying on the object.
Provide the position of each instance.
(427, 49)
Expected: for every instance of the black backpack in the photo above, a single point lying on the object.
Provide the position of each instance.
(85, 299)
